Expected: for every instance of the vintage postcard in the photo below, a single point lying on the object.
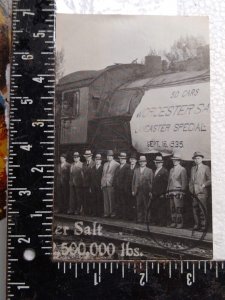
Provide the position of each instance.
(132, 147)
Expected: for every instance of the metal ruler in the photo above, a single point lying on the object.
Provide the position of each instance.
(30, 272)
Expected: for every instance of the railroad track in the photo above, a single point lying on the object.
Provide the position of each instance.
(160, 243)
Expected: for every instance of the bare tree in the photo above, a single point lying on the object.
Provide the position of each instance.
(184, 48)
(152, 52)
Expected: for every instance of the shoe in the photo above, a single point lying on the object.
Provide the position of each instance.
(196, 227)
(69, 212)
(179, 226)
(173, 225)
(202, 229)
(113, 216)
(139, 222)
(153, 223)
(105, 216)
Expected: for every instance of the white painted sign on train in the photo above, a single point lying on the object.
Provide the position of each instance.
(173, 118)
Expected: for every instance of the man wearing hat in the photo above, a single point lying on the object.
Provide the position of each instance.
(96, 191)
(119, 184)
(62, 186)
(87, 166)
(158, 208)
(131, 208)
(177, 185)
(76, 185)
(109, 170)
(199, 182)
(142, 189)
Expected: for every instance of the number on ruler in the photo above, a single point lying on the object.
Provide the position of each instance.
(27, 192)
(28, 13)
(38, 79)
(26, 147)
(142, 282)
(23, 240)
(26, 101)
(39, 34)
(37, 169)
(37, 123)
(27, 56)
(189, 279)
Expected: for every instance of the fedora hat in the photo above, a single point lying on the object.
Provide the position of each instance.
(76, 154)
(197, 153)
(133, 155)
(123, 155)
(176, 156)
(98, 157)
(87, 153)
(110, 153)
(158, 158)
(142, 159)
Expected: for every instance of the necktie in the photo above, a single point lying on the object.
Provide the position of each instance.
(107, 170)
(196, 171)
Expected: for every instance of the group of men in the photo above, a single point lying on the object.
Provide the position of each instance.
(133, 191)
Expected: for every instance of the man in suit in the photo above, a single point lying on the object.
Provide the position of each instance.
(119, 184)
(199, 182)
(177, 185)
(96, 191)
(142, 189)
(109, 170)
(87, 196)
(159, 186)
(131, 208)
(62, 186)
(76, 185)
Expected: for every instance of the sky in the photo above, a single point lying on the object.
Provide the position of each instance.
(92, 42)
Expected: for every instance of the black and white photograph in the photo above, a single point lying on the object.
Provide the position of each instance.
(132, 139)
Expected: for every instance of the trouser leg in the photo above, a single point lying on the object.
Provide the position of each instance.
(172, 210)
(117, 202)
(111, 201)
(72, 200)
(120, 210)
(131, 204)
(99, 203)
(125, 205)
(59, 199)
(106, 201)
(140, 207)
(146, 206)
(179, 206)
(79, 195)
(94, 202)
(202, 210)
(162, 211)
(134, 208)
(66, 198)
(138, 201)
(62, 198)
(153, 210)
(195, 206)
(87, 201)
